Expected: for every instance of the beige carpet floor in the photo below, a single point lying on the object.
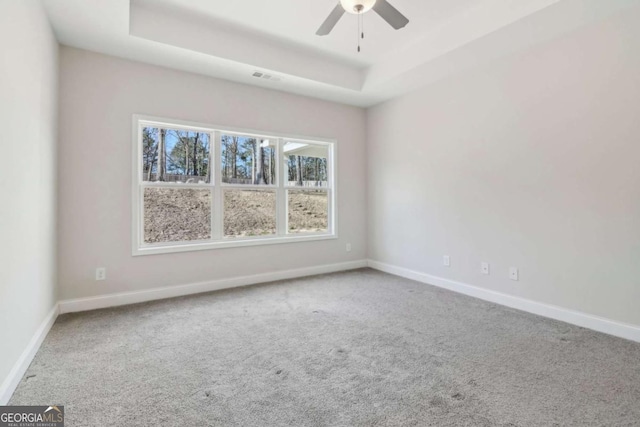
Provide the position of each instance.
(359, 348)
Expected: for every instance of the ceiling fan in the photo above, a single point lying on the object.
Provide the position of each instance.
(358, 7)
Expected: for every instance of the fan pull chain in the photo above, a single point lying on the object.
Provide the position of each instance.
(359, 19)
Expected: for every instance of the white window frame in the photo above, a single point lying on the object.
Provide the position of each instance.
(216, 186)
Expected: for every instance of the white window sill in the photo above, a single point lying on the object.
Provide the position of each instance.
(227, 243)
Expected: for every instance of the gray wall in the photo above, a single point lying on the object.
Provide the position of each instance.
(28, 119)
(532, 162)
(99, 95)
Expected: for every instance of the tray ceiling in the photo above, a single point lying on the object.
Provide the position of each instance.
(235, 39)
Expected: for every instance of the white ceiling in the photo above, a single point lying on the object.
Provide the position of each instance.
(231, 39)
(296, 21)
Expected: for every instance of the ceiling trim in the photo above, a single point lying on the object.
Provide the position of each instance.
(137, 30)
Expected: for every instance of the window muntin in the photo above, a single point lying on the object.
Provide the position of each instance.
(224, 188)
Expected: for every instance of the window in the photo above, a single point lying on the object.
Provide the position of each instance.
(202, 187)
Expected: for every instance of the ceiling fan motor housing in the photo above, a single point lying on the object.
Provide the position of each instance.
(357, 6)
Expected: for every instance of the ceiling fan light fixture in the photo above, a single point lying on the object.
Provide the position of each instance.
(357, 6)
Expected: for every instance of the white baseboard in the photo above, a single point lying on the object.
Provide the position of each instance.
(124, 298)
(600, 324)
(82, 304)
(20, 367)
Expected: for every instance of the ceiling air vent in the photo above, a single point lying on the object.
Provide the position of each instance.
(264, 76)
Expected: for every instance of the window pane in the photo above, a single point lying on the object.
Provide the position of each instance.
(176, 215)
(170, 155)
(249, 213)
(308, 211)
(306, 164)
(248, 160)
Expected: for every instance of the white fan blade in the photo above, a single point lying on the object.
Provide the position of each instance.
(390, 14)
(331, 21)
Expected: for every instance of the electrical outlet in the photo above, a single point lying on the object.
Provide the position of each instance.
(101, 273)
(446, 261)
(513, 273)
(485, 268)
(348, 247)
